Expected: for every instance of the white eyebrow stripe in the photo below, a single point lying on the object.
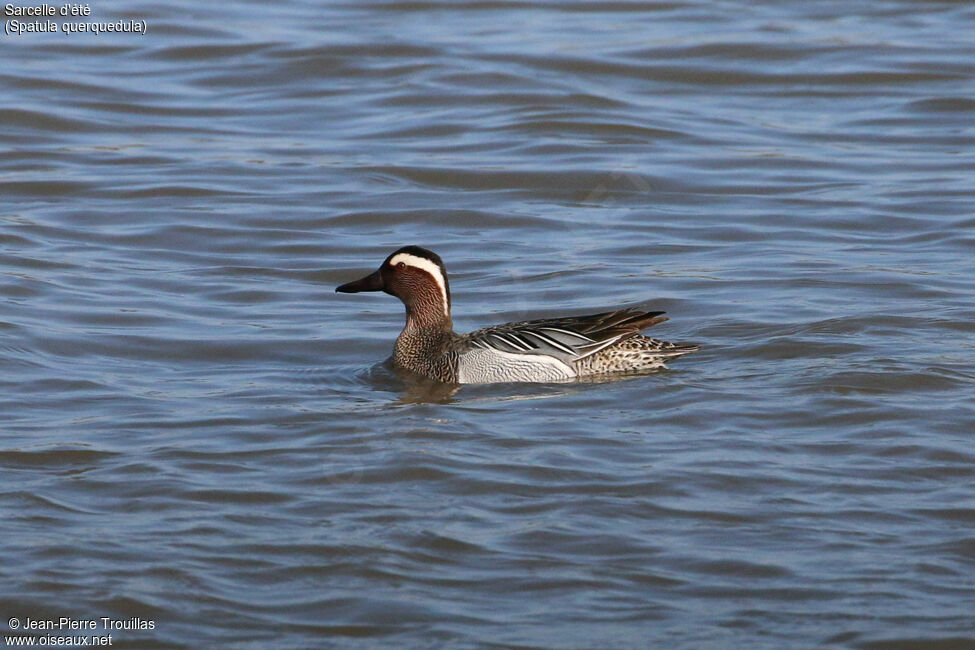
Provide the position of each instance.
(430, 267)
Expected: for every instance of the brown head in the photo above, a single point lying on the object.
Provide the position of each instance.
(416, 276)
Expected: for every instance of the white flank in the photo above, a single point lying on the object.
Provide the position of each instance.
(430, 267)
(486, 366)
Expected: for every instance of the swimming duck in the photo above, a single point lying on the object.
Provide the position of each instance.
(551, 349)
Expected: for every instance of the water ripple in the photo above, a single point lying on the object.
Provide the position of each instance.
(197, 430)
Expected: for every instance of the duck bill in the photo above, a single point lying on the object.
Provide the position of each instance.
(372, 282)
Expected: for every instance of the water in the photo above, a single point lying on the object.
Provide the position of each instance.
(198, 432)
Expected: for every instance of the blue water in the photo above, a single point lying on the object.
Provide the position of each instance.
(196, 431)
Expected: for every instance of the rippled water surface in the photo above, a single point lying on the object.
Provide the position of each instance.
(196, 431)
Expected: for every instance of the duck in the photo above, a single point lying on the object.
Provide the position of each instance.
(543, 350)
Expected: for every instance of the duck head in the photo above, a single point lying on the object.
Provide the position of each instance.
(416, 276)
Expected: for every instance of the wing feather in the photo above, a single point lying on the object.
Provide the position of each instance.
(548, 340)
(569, 339)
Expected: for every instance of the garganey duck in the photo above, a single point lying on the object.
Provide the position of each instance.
(551, 349)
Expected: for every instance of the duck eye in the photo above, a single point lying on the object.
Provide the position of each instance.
(401, 265)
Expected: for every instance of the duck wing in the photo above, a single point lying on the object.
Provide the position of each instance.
(570, 338)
